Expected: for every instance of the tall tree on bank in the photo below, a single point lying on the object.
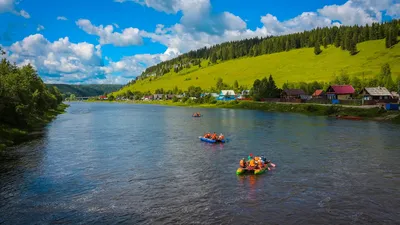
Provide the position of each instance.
(317, 48)
(391, 36)
(265, 88)
(353, 45)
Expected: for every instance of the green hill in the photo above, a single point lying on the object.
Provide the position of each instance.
(86, 90)
(293, 66)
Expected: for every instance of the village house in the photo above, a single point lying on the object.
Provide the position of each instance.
(395, 95)
(169, 96)
(376, 93)
(340, 92)
(103, 97)
(214, 95)
(227, 95)
(147, 98)
(319, 94)
(292, 94)
(244, 94)
(158, 97)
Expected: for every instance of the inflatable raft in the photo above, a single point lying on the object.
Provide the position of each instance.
(210, 140)
(241, 171)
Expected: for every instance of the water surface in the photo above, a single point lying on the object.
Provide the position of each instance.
(143, 164)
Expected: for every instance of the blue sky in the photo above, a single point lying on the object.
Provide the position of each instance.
(112, 41)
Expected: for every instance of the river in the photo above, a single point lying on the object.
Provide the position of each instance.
(103, 163)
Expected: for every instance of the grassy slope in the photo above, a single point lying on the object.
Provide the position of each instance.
(293, 66)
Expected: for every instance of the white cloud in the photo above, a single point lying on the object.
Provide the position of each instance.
(197, 15)
(40, 27)
(132, 66)
(305, 21)
(129, 36)
(61, 18)
(9, 6)
(6, 6)
(58, 61)
(25, 14)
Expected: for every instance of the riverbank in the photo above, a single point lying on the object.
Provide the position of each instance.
(362, 113)
(10, 136)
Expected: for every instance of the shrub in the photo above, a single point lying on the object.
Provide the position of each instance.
(184, 99)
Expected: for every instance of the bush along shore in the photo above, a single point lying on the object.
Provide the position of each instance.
(351, 112)
(10, 136)
(26, 104)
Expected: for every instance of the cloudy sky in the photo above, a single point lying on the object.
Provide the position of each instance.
(113, 41)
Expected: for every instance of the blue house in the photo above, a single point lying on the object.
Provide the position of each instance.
(226, 95)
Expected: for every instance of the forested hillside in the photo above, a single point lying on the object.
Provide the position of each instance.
(344, 37)
(86, 90)
(316, 55)
(300, 65)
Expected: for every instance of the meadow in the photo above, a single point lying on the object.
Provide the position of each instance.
(292, 66)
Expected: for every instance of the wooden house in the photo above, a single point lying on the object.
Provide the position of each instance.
(292, 94)
(319, 94)
(376, 93)
(340, 92)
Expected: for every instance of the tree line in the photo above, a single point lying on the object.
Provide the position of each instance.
(24, 98)
(345, 37)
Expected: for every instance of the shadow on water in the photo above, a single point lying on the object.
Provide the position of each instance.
(143, 164)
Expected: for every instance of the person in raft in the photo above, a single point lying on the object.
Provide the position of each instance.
(221, 137)
(207, 135)
(214, 136)
(243, 163)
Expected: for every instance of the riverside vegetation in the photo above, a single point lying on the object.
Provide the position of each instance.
(264, 89)
(26, 104)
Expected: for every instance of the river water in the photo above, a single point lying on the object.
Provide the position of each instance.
(142, 164)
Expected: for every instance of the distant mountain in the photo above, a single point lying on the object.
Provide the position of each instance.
(86, 90)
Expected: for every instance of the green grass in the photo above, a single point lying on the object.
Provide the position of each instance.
(293, 66)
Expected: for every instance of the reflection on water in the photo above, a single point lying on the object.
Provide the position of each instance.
(142, 164)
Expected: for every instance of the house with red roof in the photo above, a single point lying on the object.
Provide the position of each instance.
(340, 92)
(319, 94)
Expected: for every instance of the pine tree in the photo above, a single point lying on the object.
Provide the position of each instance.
(388, 39)
(337, 40)
(287, 46)
(317, 48)
(325, 42)
(353, 45)
(213, 58)
(235, 85)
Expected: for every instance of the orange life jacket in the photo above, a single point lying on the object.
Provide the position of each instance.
(257, 158)
(242, 163)
(214, 136)
(252, 163)
(221, 137)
